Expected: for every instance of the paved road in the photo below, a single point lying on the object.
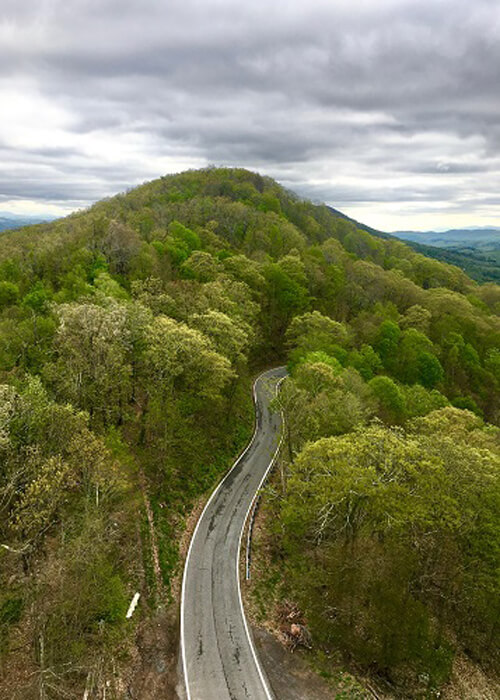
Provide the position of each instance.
(218, 655)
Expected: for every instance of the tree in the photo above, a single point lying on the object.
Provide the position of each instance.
(284, 299)
(37, 299)
(230, 338)
(38, 506)
(245, 270)
(108, 287)
(417, 317)
(429, 370)
(201, 266)
(492, 363)
(366, 361)
(321, 399)
(420, 401)
(313, 331)
(390, 399)
(9, 293)
(386, 343)
(49, 457)
(142, 318)
(385, 536)
(183, 359)
(93, 367)
(120, 245)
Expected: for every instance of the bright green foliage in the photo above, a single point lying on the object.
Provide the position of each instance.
(312, 331)
(390, 399)
(321, 399)
(201, 266)
(366, 361)
(230, 338)
(270, 203)
(321, 357)
(25, 339)
(286, 298)
(412, 347)
(429, 370)
(92, 368)
(245, 270)
(75, 284)
(400, 544)
(144, 318)
(38, 298)
(10, 270)
(386, 343)
(109, 287)
(9, 293)
(420, 401)
(492, 363)
(180, 358)
(184, 236)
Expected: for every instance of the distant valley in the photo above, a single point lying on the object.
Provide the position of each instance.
(475, 250)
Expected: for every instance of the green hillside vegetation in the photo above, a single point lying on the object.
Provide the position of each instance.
(480, 263)
(480, 260)
(129, 334)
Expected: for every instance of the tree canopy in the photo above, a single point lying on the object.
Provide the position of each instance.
(129, 336)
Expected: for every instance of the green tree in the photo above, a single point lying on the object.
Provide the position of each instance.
(386, 343)
(201, 266)
(230, 338)
(389, 398)
(312, 331)
(93, 369)
(9, 293)
(284, 298)
(381, 526)
(366, 361)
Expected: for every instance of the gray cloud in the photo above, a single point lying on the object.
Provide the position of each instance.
(384, 103)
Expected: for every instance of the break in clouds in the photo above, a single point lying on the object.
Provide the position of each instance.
(386, 109)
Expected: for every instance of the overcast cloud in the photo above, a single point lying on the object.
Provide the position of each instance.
(386, 109)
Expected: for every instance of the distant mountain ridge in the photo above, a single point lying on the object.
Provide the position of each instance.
(9, 221)
(454, 238)
(476, 252)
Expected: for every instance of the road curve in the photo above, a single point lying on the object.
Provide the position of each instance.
(218, 655)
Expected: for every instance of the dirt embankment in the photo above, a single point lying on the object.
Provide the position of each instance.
(154, 669)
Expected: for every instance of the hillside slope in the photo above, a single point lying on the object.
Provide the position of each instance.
(478, 257)
(129, 334)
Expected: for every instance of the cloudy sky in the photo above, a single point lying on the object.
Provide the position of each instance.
(386, 109)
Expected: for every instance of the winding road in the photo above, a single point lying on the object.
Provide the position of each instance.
(218, 654)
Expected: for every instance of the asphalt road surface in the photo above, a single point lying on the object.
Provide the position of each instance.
(218, 654)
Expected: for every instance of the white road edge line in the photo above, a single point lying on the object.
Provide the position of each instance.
(212, 496)
(253, 504)
(250, 638)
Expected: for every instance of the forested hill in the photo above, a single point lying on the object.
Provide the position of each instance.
(481, 262)
(128, 336)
